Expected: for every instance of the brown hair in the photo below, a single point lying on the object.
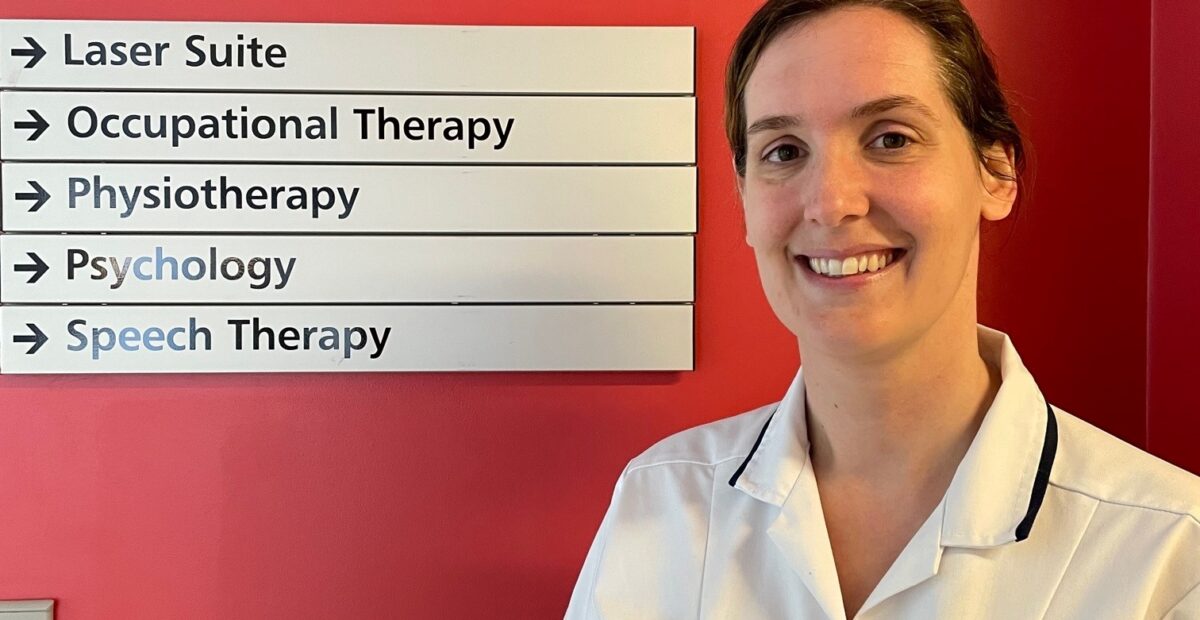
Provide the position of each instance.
(966, 70)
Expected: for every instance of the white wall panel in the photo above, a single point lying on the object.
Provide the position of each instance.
(160, 339)
(412, 269)
(342, 199)
(350, 57)
(334, 197)
(74, 126)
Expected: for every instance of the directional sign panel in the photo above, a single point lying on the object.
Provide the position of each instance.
(417, 269)
(107, 339)
(194, 196)
(347, 199)
(345, 57)
(354, 128)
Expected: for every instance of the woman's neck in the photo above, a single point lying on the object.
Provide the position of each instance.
(900, 419)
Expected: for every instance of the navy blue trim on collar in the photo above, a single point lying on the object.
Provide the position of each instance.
(1049, 449)
(741, 468)
(1040, 483)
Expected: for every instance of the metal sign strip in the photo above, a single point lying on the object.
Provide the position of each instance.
(344, 269)
(53, 197)
(345, 57)
(237, 127)
(158, 339)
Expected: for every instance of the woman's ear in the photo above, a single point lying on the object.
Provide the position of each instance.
(998, 172)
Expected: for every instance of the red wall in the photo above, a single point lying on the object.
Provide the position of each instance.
(1067, 278)
(1173, 426)
(477, 495)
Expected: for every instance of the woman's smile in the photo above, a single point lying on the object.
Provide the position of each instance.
(852, 272)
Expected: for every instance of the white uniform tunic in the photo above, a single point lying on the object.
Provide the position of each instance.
(1046, 517)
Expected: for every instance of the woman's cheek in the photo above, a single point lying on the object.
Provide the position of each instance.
(770, 220)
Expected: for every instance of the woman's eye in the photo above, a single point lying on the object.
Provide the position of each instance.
(892, 141)
(783, 152)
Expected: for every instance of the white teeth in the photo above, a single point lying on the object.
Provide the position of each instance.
(851, 265)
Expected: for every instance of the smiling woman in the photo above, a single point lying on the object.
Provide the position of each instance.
(913, 469)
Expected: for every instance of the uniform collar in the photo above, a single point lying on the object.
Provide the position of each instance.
(998, 487)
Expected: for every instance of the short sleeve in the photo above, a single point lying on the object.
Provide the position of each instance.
(582, 605)
(1188, 608)
(647, 560)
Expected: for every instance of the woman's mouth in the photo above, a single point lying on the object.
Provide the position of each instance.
(859, 265)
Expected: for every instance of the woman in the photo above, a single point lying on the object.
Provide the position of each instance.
(913, 469)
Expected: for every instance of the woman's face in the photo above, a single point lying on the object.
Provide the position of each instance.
(855, 152)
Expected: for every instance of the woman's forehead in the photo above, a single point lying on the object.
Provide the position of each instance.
(836, 61)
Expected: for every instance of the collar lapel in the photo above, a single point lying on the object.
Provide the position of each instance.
(777, 472)
(998, 487)
(779, 454)
(801, 535)
(917, 562)
(993, 498)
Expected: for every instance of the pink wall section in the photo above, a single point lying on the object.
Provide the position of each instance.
(477, 495)
(1173, 424)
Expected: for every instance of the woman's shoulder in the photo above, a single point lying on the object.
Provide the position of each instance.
(706, 445)
(1097, 464)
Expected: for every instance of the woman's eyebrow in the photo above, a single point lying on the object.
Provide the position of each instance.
(770, 123)
(870, 108)
(883, 104)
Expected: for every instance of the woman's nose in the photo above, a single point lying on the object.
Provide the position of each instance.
(835, 188)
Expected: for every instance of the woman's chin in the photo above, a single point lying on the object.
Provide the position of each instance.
(845, 338)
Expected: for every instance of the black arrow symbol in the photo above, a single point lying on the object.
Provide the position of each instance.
(38, 124)
(38, 267)
(34, 51)
(39, 194)
(38, 338)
